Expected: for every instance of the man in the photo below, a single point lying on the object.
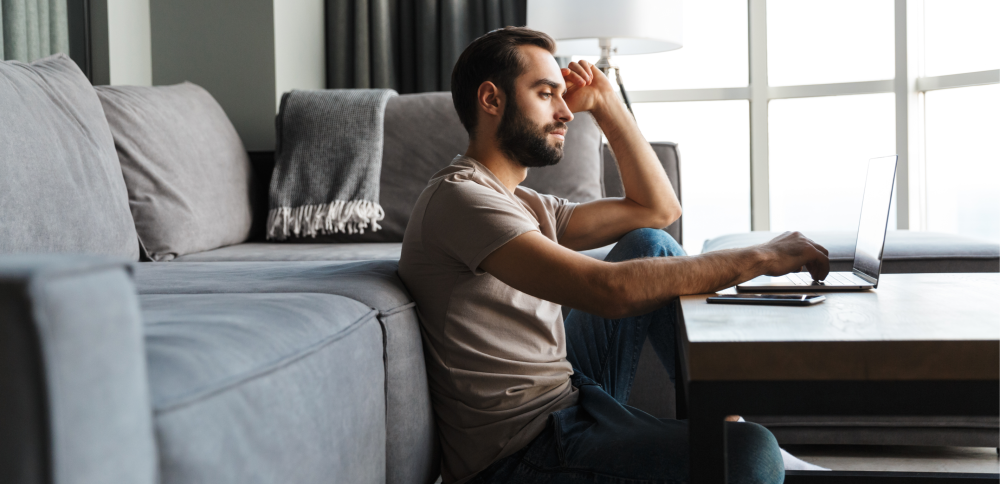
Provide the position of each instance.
(519, 395)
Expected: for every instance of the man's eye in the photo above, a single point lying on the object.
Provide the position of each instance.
(546, 94)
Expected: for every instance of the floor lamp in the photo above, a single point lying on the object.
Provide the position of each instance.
(609, 27)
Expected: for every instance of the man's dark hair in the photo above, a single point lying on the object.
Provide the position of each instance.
(493, 57)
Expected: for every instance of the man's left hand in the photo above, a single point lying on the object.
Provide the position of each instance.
(586, 87)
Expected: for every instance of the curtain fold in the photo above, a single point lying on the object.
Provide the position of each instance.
(407, 45)
(32, 29)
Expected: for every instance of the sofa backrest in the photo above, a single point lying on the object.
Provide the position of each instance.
(423, 134)
(61, 188)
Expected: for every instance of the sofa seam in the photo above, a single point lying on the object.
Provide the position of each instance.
(387, 312)
(397, 309)
(203, 394)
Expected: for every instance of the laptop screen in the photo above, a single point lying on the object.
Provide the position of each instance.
(874, 216)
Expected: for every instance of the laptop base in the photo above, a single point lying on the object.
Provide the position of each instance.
(785, 284)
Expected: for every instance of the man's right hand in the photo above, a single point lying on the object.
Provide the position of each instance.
(790, 251)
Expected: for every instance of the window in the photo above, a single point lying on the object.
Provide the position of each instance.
(801, 135)
(810, 42)
(962, 164)
(963, 161)
(819, 152)
(713, 138)
(961, 36)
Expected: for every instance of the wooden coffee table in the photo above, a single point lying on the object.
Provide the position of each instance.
(919, 345)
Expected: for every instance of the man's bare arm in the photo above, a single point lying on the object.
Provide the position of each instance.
(649, 199)
(535, 265)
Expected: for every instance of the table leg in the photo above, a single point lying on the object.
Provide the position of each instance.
(706, 427)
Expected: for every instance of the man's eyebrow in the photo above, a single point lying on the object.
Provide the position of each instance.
(546, 81)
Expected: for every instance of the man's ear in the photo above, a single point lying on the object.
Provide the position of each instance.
(490, 98)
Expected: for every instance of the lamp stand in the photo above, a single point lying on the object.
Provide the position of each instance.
(604, 64)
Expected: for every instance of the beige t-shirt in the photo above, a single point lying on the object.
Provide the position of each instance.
(496, 357)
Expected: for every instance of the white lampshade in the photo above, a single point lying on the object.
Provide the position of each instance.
(634, 26)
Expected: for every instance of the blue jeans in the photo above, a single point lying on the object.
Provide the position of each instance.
(603, 440)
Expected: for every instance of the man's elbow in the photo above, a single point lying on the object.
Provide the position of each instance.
(666, 216)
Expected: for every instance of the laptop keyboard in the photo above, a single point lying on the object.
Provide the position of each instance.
(833, 279)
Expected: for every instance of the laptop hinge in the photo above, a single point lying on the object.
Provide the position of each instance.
(870, 279)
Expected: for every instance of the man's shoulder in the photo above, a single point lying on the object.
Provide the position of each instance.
(461, 184)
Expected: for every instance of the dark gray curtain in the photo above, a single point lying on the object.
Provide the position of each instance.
(407, 45)
(31, 29)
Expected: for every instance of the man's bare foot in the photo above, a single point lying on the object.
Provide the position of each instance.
(733, 418)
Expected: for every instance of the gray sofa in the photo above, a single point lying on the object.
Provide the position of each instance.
(249, 362)
(252, 362)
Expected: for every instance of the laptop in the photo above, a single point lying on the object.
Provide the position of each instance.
(867, 250)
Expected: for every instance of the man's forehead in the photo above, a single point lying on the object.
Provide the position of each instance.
(541, 68)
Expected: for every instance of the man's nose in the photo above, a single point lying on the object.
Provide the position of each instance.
(564, 114)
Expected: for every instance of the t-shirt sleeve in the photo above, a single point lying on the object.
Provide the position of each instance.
(553, 211)
(469, 221)
(562, 209)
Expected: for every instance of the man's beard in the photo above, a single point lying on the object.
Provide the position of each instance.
(522, 141)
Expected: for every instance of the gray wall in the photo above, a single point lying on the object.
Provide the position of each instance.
(227, 47)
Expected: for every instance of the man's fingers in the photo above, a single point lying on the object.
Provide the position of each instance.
(581, 71)
(593, 70)
(818, 265)
(818, 272)
(575, 79)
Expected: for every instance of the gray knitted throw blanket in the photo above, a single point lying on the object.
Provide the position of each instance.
(328, 159)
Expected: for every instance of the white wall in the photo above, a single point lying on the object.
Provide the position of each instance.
(120, 31)
(299, 46)
(129, 44)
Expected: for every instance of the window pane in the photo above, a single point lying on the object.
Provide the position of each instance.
(814, 42)
(713, 139)
(715, 52)
(963, 161)
(961, 36)
(818, 152)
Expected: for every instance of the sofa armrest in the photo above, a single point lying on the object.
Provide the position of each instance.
(669, 158)
(74, 395)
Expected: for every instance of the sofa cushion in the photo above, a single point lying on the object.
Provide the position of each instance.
(263, 251)
(423, 134)
(905, 251)
(270, 251)
(373, 283)
(265, 388)
(411, 444)
(61, 188)
(187, 172)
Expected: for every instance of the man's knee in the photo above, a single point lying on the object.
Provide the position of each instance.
(648, 242)
(754, 455)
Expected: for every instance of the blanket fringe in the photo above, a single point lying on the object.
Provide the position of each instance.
(339, 216)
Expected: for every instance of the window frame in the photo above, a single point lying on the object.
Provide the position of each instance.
(908, 85)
